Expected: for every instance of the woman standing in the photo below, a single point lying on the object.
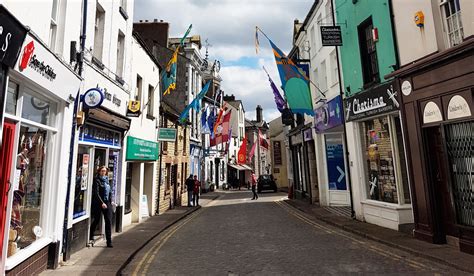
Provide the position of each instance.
(101, 203)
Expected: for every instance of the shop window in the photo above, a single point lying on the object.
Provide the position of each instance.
(368, 53)
(12, 96)
(37, 109)
(82, 182)
(28, 189)
(385, 160)
(128, 188)
(99, 32)
(452, 15)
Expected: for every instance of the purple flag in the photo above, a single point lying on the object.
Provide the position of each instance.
(280, 102)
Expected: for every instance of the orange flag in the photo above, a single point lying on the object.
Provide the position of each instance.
(241, 156)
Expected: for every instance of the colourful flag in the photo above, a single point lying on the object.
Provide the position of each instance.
(279, 101)
(219, 117)
(181, 42)
(204, 126)
(211, 119)
(196, 103)
(252, 150)
(257, 43)
(229, 138)
(241, 156)
(169, 76)
(263, 140)
(221, 131)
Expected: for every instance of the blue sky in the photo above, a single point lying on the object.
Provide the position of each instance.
(229, 26)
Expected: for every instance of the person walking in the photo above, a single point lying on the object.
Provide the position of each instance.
(254, 186)
(197, 187)
(190, 187)
(101, 204)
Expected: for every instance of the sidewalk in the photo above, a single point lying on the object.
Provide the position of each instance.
(444, 254)
(100, 260)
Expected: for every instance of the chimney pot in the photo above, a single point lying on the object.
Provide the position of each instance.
(161, 20)
(155, 20)
(146, 20)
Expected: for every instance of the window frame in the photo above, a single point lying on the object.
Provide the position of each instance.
(368, 55)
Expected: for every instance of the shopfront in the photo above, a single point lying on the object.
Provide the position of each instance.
(38, 118)
(379, 157)
(438, 113)
(331, 163)
(299, 151)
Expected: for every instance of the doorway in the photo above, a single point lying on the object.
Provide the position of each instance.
(174, 182)
(100, 159)
(6, 151)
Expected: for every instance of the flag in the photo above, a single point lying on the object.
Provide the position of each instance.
(196, 103)
(229, 138)
(257, 43)
(252, 151)
(226, 126)
(181, 42)
(263, 140)
(169, 75)
(211, 119)
(221, 130)
(219, 117)
(279, 101)
(241, 155)
(204, 125)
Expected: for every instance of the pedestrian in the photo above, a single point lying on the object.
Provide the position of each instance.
(197, 186)
(101, 204)
(254, 186)
(190, 187)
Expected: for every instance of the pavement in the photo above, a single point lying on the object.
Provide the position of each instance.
(440, 253)
(100, 260)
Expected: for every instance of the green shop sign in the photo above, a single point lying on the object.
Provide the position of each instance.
(139, 149)
(167, 134)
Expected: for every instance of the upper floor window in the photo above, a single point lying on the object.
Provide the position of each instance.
(120, 53)
(323, 83)
(99, 32)
(151, 101)
(368, 53)
(53, 27)
(452, 14)
(123, 9)
(138, 89)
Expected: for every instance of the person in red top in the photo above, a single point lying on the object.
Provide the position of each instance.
(254, 185)
(197, 186)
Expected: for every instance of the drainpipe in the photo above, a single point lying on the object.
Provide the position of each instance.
(73, 133)
(348, 172)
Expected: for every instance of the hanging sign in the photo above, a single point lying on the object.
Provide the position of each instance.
(329, 116)
(375, 101)
(93, 98)
(167, 134)
(133, 109)
(12, 35)
(331, 35)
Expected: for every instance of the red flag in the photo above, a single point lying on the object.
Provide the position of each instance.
(252, 151)
(222, 131)
(263, 140)
(242, 152)
(219, 117)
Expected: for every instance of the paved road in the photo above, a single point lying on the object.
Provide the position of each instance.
(236, 235)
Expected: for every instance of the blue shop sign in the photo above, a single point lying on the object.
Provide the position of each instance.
(328, 116)
(335, 162)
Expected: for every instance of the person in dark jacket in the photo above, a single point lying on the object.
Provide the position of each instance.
(190, 187)
(196, 190)
(101, 204)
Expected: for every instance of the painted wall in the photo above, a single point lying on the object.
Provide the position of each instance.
(276, 133)
(352, 15)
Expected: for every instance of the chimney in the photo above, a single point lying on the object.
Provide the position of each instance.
(155, 20)
(259, 113)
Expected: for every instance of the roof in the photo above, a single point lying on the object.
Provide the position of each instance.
(236, 104)
(147, 50)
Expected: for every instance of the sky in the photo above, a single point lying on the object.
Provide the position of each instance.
(229, 27)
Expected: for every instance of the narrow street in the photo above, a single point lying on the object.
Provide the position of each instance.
(236, 235)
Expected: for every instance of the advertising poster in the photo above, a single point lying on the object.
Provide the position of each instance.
(335, 162)
(85, 171)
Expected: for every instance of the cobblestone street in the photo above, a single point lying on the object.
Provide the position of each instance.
(236, 235)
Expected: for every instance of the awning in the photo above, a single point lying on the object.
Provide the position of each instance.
(237, 167)
(240, 167)
(246, 167)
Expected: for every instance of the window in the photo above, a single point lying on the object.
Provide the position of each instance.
(53, 27)
(335, 67)
(12, 96)
(385, 160)
(82, 182)
(138, 89)
(312, 34)
(323, 77)
(123, 9)
(37, 109)
(99, 32)
(328, 12)
(168, 176)
(368, 53)
(184, 140)
(120, 54)
(452, 13)
(151, 101)
(318, 32)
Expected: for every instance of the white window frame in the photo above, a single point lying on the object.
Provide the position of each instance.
(456, 33)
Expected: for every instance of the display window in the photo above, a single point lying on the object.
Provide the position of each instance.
(82, 181)
(384, 158)
(31, 166)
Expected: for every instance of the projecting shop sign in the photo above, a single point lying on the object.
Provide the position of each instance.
(331, 35)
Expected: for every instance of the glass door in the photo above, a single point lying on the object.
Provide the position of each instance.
(83, 183)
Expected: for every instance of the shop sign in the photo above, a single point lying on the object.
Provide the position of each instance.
(93, 98)
(432, 113)
(133, 109)
(12, 35)
(167, 134)
(378, 100)
(109, 97)
(406, 88)
(38, 64)
(277, 153)
(142, 150)
(458, 108)
(335, 163)
(329, 116)
(331, 35)
(308, 134)
(98, 135)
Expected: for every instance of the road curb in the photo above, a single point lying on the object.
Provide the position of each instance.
(382, 241)
(130, 258)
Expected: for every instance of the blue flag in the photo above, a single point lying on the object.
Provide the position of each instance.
(204, 127)
(196, 103)
(211, 120)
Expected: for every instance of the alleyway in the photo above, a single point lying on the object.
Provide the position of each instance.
(235, 235)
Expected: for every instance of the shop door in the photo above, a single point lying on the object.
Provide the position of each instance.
(443, 208)
(217, 164)
(6, 151)
(174, 182)
(100, 159)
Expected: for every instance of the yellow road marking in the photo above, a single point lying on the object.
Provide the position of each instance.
(157, 246)
(374, 249)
